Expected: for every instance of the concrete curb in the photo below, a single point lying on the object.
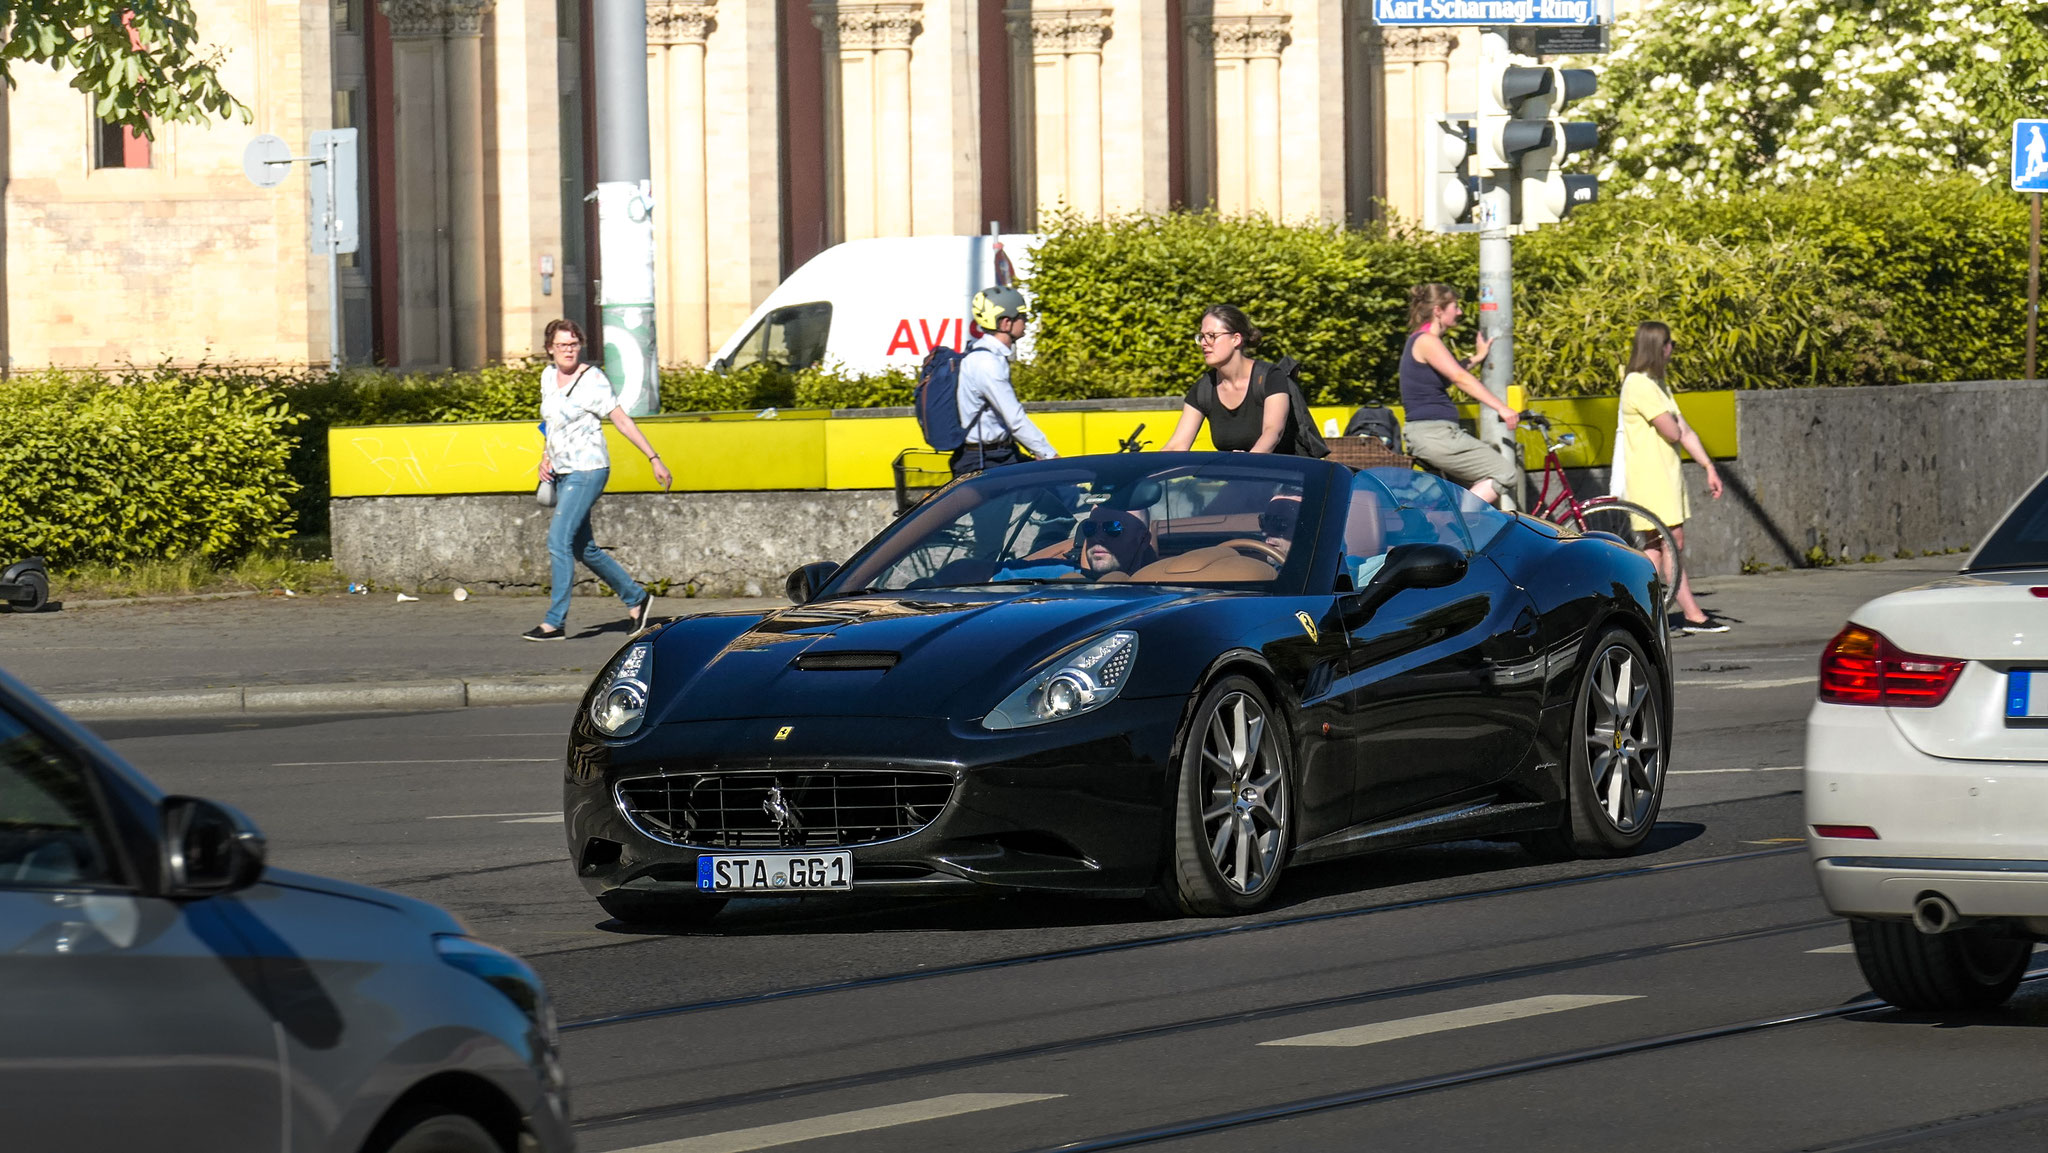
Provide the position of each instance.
(344, 697)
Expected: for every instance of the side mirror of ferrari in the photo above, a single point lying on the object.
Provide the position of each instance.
(804, 583)
(1408, 566)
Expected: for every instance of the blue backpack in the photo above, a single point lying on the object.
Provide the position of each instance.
(938, 399)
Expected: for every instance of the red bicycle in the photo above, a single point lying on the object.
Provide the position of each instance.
(1557, 503)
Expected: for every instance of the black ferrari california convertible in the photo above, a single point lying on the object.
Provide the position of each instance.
(1156, 673)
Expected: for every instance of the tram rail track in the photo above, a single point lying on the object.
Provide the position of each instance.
(1233, 929)
(1194, 1024)
(1222, 1122)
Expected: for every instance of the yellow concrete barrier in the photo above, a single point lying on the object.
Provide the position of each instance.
(810, 449)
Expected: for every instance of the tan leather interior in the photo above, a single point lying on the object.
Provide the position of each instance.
(1215, 563)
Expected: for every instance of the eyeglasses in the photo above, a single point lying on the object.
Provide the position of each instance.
(567, 344)
(1113, 527)
(1208, 338)
(1278, 523)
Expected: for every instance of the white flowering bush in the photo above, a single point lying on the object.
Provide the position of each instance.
(1718, 96)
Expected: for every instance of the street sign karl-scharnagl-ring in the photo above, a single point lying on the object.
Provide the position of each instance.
(1396, 13)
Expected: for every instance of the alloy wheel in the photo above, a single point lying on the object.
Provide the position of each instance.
(1624, 739)
(1244, 815)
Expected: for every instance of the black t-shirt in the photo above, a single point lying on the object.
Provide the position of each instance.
(1238, 429)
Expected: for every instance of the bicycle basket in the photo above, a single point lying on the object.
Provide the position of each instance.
(918, 472)
(1358, 452)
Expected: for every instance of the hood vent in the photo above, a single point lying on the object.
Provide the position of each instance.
(848, 662)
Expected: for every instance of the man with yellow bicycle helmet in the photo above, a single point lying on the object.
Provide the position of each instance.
(994, 422)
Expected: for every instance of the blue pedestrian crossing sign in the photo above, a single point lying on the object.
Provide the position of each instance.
(2030, 155)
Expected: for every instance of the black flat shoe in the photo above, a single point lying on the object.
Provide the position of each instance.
(637, 615)
(544, 633)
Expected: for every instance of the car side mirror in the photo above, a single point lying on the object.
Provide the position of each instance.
(1408, 566)
(208, 848)
(804, 583)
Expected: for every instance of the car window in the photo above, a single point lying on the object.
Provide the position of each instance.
(1397, 506)
(792, 336)
(1105, 520)
(49, 827)
(2021, 539)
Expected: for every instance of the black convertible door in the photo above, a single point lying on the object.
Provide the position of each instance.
(1441, 686)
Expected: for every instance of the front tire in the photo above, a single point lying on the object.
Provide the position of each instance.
(659, 910)
(1232, 810)
(429, 1132)
(37, 587)
(1964, 969)
(1616, 771)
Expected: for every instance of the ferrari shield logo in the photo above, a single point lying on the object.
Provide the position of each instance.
(782, 734)
(1308, 625)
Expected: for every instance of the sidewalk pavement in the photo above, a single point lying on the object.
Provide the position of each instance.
(341, 653)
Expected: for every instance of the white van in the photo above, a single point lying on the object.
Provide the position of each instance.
(871, 305)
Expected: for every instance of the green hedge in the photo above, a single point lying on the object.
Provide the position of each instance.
(158, 466)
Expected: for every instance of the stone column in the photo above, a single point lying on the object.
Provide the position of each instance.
(463, 46)
(1248, 129)
(870, 46)
(419, 146)
(1066, 54)
(1417, 65)
(677, 34)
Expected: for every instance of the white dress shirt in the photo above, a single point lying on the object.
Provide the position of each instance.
(985, 381)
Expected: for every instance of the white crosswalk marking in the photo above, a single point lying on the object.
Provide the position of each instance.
(838, 1124)
(1835, 949)
(1380, 1031)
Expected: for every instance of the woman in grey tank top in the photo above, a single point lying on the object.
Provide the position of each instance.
(1428, 373)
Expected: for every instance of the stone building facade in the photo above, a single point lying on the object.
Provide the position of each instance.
(779, 127)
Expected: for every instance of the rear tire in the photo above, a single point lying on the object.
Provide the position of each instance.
(439, 1133)
(1615, 774)
(659, 910)
(38, 588)
(1971, 968)
(1620, 517)
(1232, 807)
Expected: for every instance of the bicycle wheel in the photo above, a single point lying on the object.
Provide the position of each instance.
(1641, 529)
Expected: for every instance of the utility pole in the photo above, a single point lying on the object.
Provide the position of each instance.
(625, 205)
(1495, 215)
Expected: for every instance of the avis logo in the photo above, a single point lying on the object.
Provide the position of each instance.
(953, 332)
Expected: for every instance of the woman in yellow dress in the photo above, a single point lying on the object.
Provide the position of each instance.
(1647, 465)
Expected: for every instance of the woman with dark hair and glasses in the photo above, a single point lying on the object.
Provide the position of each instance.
(1246, 408)
(575, 400)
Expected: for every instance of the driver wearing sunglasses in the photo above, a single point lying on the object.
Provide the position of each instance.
(1277, 523)
(1108, 543)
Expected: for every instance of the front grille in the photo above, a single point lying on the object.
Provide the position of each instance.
(785, 809)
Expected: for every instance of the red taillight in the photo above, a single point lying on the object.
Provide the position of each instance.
(2039, 590)
(1846, 832)
(1861, 667)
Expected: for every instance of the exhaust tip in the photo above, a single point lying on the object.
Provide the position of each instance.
(1934, 913)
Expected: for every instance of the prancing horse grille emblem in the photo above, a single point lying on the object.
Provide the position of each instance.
(787, 820)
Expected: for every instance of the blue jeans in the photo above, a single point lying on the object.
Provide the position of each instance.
(569, 540)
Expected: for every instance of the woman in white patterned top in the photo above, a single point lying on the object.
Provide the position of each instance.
(575, 399)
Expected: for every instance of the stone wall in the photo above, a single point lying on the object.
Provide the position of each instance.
(1856, 472)
(1848, 472)
(723, 543)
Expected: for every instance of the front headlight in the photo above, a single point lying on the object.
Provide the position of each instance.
(505, 973)
(620, 703)
(1086, 678)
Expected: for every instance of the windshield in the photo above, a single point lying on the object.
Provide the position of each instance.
(1397, 506)
(1201, 519)
(2021, 539)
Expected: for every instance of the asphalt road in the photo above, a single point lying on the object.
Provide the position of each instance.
(1697, 996)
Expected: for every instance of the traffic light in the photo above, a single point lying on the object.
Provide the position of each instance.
(1520, 141)
(1451, 198)
(1547, 195)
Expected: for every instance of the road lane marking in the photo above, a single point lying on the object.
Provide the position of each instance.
(482, 816)
(444, 761)
(839, 1124)
(1778, 683)
(1835, 949)
(1380, 1031)
(549, 819)
(1760, 769)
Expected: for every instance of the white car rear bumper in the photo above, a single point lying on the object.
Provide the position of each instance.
(1975, 832)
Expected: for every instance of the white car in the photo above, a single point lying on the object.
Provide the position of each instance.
(1927, 774)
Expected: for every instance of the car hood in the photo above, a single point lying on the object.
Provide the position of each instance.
(430, 917)
(930, 653)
